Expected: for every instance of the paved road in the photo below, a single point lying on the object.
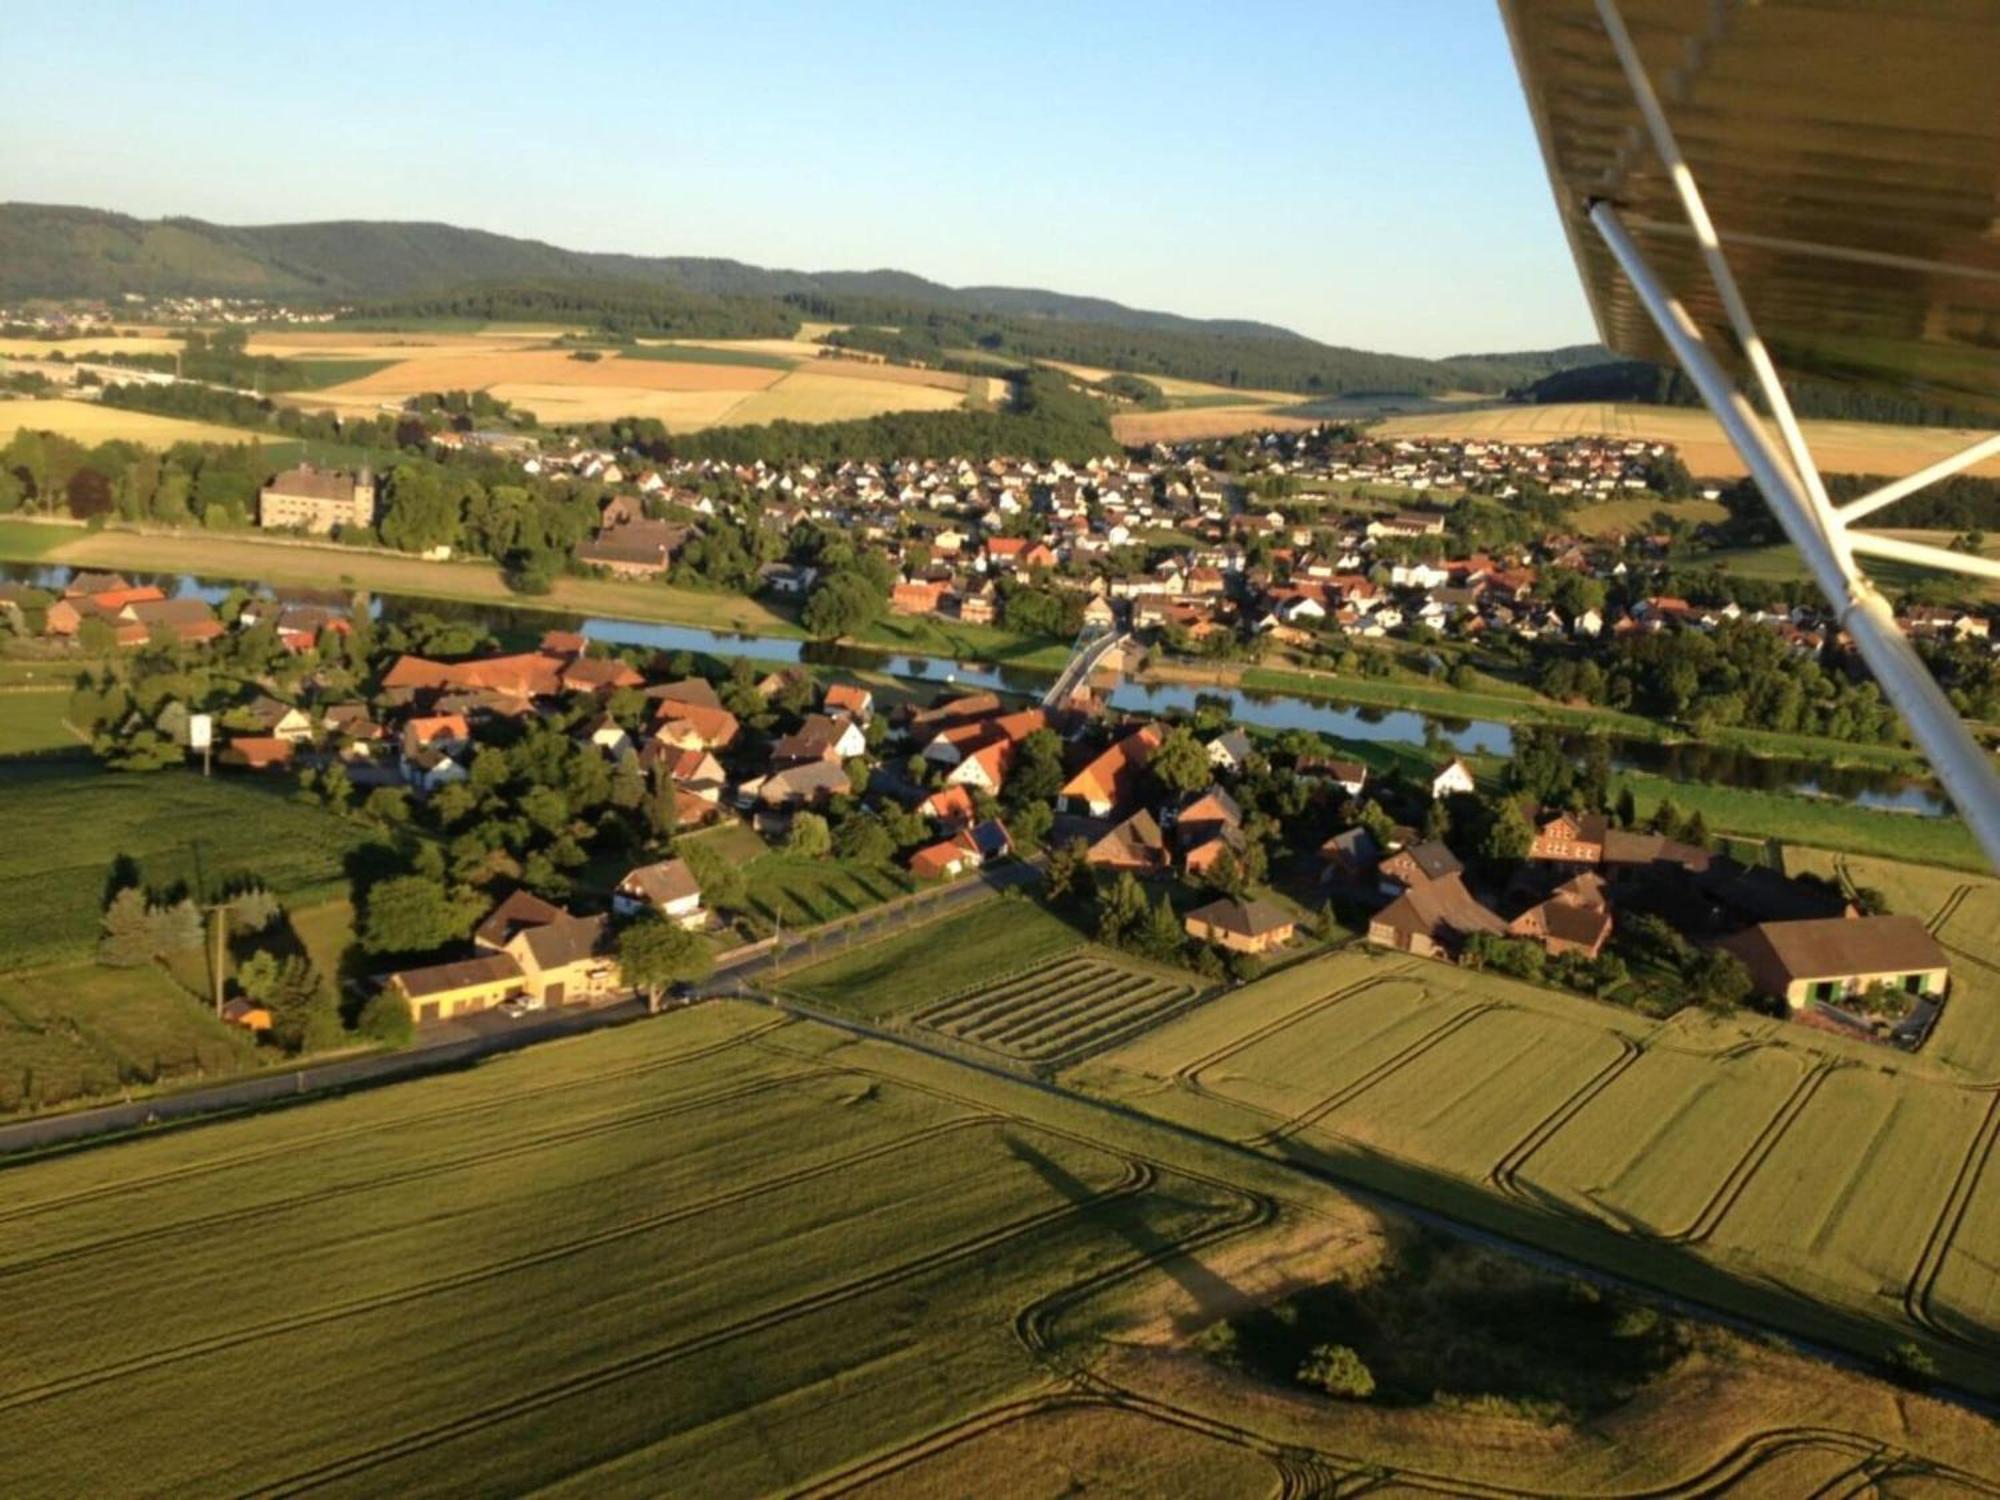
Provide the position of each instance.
(437, 1053)
(456, 1044)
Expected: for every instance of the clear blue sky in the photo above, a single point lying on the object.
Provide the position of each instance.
(1361, 170)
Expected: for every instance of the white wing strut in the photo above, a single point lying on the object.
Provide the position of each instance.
(1790, 480)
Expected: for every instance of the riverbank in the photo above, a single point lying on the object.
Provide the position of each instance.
(295, 562)
(1527, 708)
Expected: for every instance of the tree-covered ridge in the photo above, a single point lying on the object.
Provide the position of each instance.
(1649, 384)
(620, 308)
(438, 270)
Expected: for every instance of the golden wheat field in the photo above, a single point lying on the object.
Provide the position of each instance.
(1194, 423)
(1839, 447)
(103, 343)
(519, 367)
(88, 422)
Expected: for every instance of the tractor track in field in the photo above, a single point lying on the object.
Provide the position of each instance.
(1739, 1176)
(1307, 1118)
(1137, 1178)
(1921, 1288)
(1189, 1074)
(472, 1276)
(1505, 1173)
(1948, 909)
(293, 1145)
(251, 1212)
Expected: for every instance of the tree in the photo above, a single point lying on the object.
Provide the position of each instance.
(654, 953)
(1068, 876)
(128, 931)
(421, 512)
(1509, 836)
(1180, 762)
(386, 1019)
(863, 839)
(1030, 825)
(304, 1017)
(411, 914)
(808, 836)
(1036, 774)
(1339, 1371)
(1161, 936)
(254, 910)
(722, 881)
(1121, 909)
(1628, 809)
(843, 603)
(661, 810)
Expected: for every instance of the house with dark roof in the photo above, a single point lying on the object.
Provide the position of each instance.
(1417, 865)
(1834, 958)
(1241, 926)
(1135, 844)
(667, 887)
(1432, 919)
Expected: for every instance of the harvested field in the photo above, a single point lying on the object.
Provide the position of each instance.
(76, 348)
(744, 381)
(1195, 423)
(1839, 447)
(1050, 1012)
(396, 344)
(483, 368)
(680, 410)
(817, 396)
(88, 422)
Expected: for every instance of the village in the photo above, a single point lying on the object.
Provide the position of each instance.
(1187, 837)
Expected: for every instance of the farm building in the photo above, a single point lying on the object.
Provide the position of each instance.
(1241, 926)
(1135, 844)
(437, 992)
(1830, 958)
(1432, 919)
(317, 500)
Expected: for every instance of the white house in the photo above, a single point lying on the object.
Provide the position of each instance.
(1453, 780)
(668, 887)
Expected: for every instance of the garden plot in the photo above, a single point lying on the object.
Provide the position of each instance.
(1058, 1009)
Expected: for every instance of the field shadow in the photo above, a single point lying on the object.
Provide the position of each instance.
(1212, 1295)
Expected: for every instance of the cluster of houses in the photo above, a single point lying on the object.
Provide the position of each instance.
(1802, 942)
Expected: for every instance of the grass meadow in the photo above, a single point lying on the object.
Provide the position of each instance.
(723, 1253)
(68, 821)
(32, 722)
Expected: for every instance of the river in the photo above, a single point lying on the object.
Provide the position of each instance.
(1866, 787)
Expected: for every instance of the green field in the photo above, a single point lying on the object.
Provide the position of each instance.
(1849, 1183)
(726, 1254)
(81, 1032)
(936, 960)
(1054, 1011)
(1820, 822)
(67, 822)
(32, 723)
(801, 892)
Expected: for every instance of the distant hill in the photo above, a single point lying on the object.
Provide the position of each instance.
(397, 268)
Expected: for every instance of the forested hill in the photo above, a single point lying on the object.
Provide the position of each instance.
(416, 268)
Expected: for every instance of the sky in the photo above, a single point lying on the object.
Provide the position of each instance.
(1359, 170)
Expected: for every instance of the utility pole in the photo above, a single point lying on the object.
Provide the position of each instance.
(218, 931)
